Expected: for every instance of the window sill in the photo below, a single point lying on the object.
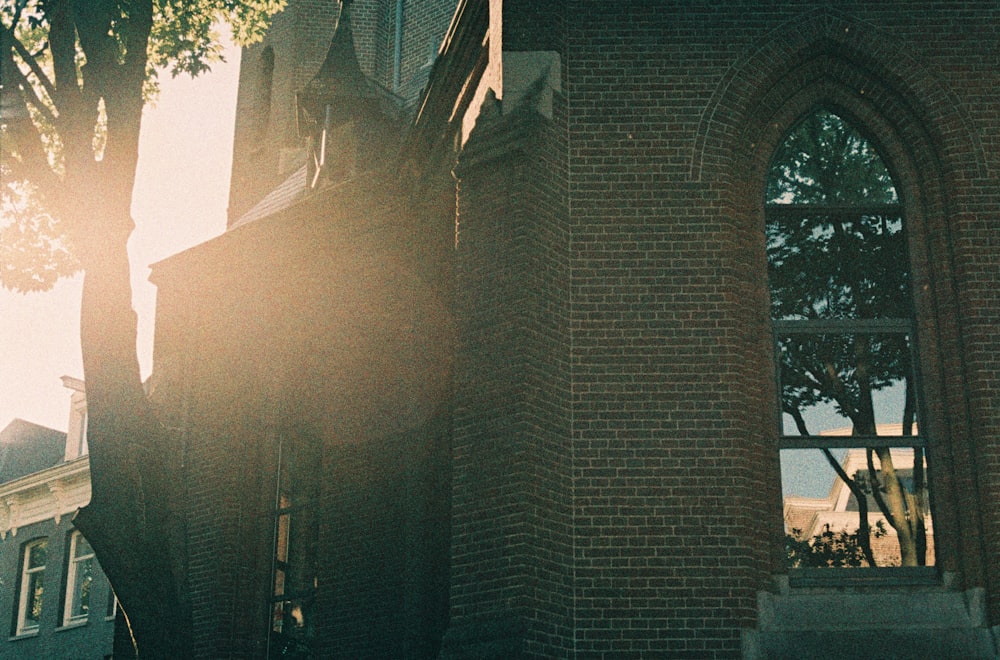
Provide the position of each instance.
(25, 635)
(71, 625)
(863, 577)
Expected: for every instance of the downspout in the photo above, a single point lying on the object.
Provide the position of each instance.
(397, 47)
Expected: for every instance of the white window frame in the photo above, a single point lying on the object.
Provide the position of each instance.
(111, 609)
(73, 565)
(27, 575)
(83, 448)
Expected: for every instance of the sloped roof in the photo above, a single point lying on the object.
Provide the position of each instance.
(26, 448)
(290, 191)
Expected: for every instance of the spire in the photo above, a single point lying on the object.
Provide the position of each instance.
(340, 84)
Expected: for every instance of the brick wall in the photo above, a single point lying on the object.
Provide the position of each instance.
(298, 38)
(297, 41)
(512, 529)
(667, 349)
(309, 323)
(613, 474)
(672, 110)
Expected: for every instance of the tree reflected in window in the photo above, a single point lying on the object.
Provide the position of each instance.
(34, 556)
(841, 305)
(79, 579)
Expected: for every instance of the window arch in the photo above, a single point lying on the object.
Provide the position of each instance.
(853, 459)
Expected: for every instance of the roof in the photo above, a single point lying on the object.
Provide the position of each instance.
(340, 89)
(26, 448)
(290, 191)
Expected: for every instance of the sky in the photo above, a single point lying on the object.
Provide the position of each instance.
(180, 199)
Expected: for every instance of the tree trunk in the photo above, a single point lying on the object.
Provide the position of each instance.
(130, 520)
(896, 508)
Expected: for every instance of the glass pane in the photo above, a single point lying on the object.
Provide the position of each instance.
(291, 630)
(846, 384)
(846, 265)
(84, 581)
(278, 616)
(301, 558)
(281, 542)
(824, 160)
(829, 495)
(33, 606)
(295, 570)
(279, 582)
(37, 555)
(83, 548)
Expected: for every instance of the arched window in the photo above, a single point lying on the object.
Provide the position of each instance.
(853, 460)
(264, 88)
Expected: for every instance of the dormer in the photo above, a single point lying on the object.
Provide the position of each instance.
(76, 429)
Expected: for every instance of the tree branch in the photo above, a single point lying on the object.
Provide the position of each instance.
(18, 8)
(62, 43)
(877, 489)
(800, 422)
(864, 529)
(125, 113)
(26, 138)
(32, 63)
(11, 68)
(136, 37)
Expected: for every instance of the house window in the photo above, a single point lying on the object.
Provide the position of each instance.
(295, 537)
(853, 459)
(79, 579)
(32, 586)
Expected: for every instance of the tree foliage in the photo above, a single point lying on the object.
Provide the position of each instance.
(33, 252)
(837, 254)
(829, 548)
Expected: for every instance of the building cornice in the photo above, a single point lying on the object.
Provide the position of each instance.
(50, 493)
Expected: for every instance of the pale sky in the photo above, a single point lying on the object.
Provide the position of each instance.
(180, 200)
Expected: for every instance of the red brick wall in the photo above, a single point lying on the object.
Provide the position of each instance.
(614, 452)
(308, 323)
(671, 112)
(512, 545)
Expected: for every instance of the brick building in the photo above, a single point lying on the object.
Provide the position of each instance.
(500, 368)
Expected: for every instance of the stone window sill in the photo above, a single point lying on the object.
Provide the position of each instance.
(71, 625)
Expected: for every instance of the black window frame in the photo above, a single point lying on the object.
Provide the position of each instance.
(906, 328)
(294, 585)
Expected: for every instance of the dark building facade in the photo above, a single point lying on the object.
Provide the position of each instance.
(54, 598)
(506, 367)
